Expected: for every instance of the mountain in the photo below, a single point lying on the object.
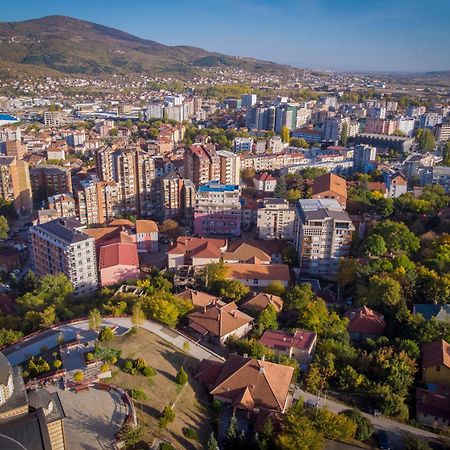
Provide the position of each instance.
(72, 46)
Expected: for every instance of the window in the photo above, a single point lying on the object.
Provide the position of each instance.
(438, 368)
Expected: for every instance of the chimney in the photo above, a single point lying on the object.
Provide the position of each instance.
(263, 357)
(261, 369)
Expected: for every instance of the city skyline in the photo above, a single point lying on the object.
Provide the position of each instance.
(353, 36)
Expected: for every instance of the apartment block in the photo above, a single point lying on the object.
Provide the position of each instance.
(275, 219)
(230, 167)
(15, 185)
(54, 118)
(201, 163)
(217, 210)
(60, 246)
(48, 180)
(322, 234)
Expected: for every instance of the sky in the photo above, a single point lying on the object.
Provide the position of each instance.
(360, 35)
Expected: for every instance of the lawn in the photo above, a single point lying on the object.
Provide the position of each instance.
(191, 406)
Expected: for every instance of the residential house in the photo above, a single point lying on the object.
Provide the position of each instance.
(264, 182)
(299, 345)
(246, 253)
(198, 299)
(365, 323)
(259, 275)
(429, 311)
(147, 236)
(218, 321)
(261, 301)
(433, 407)
(330, 186)
(396, 184)
(248, 385)
(436, 362)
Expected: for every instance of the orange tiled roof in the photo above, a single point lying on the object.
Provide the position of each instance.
(330, 182)
(436, 353)
(259, 272)
(146, 226)
(197, 298)
(118, 254)
(262, 300)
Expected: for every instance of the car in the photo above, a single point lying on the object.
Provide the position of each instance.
(383, 440)
(312, 403)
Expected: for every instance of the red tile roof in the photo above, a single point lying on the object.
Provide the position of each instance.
(282, 340)
(146, 226)
(118, 254)
(264, 177)
(259, 272)
(261, 301)
(364, 320)
(330, 182)
(436, 353)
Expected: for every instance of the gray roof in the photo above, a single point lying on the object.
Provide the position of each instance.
(5, 369)
(39, 398)
(6, 160)
(320, 209)
(66, 229)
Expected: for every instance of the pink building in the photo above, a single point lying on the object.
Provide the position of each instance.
(380, 126)
(118, 263)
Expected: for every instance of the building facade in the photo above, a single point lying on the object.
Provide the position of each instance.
(275, 219)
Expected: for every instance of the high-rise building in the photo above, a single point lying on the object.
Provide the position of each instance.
(286, 116)
(169, 196)
(48, 180)
(64, 204)
(248, 100)
(15, 148)
(442, 132)
(54, 118)
(260, 118)
(275, 219)
(333, 128)
(430, 120)
(134, 172)
(322, 234)
(60, 246)
(230, 167)
(362, 155)
(201, 163)
(217, 210)
(15, 185)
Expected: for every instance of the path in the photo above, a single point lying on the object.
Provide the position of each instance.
(394, 429)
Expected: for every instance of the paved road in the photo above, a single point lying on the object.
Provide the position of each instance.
(395, 429)
(22, 352)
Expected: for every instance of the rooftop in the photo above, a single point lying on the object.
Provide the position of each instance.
(66, 229)
(118, 254)
(283, 340)
(217, 186)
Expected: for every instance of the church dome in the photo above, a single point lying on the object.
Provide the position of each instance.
(6, 379)
(41, 398)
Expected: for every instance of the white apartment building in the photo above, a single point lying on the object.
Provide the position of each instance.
(275, 219)
(60, 246)
(241, 144)
(54, 118)
(362, 155)
(322, 234)
(230, 167)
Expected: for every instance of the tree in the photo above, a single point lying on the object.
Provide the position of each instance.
(397, 236)
(161, 310)
(106, 334)
(9, 336)
(344, 135)
(446, 154)
(4, 228)
(167, 417)
(411, 442)
(374, 245)
(214, 272)
(285, 134)
(426, 140)
(137, 315)
(299, 143)
(94, 319)
(182, 376)
(78, 376)
(57, 364)
(267, 320)
(233, 289)
(138, 395)
(280, 188)
(364, 427)
(383, 291)
(130, 435)
(275, 288)
(212, 443)
(231, 434)
(170, 228)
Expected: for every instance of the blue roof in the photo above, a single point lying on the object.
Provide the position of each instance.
(7, 117)
(429, 311)
(217, 186)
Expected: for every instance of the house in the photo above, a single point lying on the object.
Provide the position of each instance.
(147, 236)
(264, 182)
(439, 312)
(300, 344)
(273, 248)
(118, 263)
(396, 184)
(433, 407)
(365, 323)
(261, 301)
(199, 299)
(247, 384)
(436, 362)
(108, 235)
(259, 275)
(195, 251)
(246, 253)
(218, 320)
(330, 186)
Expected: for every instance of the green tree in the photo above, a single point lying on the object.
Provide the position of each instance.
(426, 140)
(397, 236)
(411, 442)
(106, 334)
(137, 315)
(446, 154)
(9, 336)
(214, 272)
(285, 134)
(167, 417)
(57, 364)
(344, 135)
(374, 245)
(275, 288)
(364, 427)
(299, 143)
(182, 377)
(212, 443)
(383, 291)
(4, 228)
(280, 188)
(267, 320)
(170, 228)
(94, 319)
(161, 310)
(231, 434)
(78, 376)
(233, 289)
(130, 435)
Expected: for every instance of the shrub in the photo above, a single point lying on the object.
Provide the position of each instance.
(78, 376)
(138, 395)
(182, 376)
(104, 368)
(364, 427)
(25, 373)
(106, 335)
(57, 364)
(89, 356)
(128, 365)
(190, 433)
(113, 359)
(166, 446)
(140, 363)
(217, 405)
(133, 330)
(148, 371)
(168, 417)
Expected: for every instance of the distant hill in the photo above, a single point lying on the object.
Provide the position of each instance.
(73, 46)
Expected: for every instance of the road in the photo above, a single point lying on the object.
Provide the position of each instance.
(394, 429)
